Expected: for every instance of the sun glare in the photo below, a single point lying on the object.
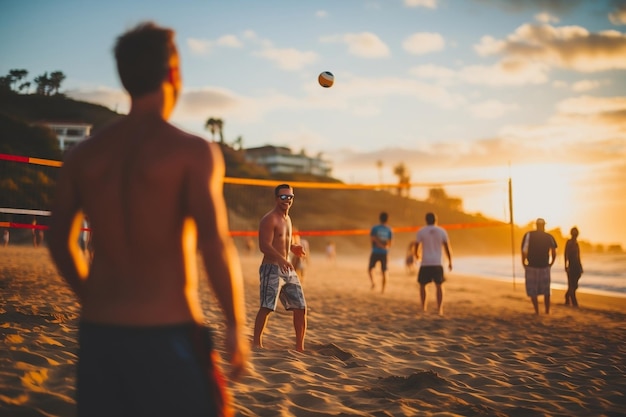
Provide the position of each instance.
(545, 191)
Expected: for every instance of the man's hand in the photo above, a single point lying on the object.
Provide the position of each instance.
(238, 351)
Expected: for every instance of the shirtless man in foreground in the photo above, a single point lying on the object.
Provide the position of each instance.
(278, 279)
(153, 195)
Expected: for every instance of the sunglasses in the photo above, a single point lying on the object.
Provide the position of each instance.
(286, 197)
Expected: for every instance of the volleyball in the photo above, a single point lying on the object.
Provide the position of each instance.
(326, 79)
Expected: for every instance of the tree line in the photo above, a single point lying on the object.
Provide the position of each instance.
(46, 84)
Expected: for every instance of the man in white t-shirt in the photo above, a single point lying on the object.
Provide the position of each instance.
(432, 238)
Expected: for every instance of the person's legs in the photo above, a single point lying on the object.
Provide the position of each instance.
(546, 301)
(292, 298)
(384, 282)
(383, 267)
(270, 287)
(440, 298)
(535, 301)
(573, 293)
(423, 296)
(370, 270)
(259, 326)
(299, 325)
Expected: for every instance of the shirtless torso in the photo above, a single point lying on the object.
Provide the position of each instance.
(275, 231)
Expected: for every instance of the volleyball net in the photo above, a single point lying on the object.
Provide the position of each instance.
(323, 212)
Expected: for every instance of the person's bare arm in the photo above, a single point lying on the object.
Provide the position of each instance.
(65, 224)
(553, 256)
(446, 247)
(416, 246)
(208, 209)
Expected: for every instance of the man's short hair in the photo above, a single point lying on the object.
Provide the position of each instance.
(431, 218)
(383, 217)
(281, 187)
(143, 57)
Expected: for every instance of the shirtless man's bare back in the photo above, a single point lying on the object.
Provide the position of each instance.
(153, 194)
(278, 278)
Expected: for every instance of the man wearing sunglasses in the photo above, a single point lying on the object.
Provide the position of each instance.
(278, 278)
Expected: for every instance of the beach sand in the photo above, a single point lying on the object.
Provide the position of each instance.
(367, 354)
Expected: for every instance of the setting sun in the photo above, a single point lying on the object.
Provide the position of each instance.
(544, 190)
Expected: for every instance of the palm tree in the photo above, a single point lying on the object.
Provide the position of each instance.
(220, 129)
(16, 75)
(379, 164)
(26, 86)
(43, 83)
(404, 178)
(238, 143)
(211, 126)
(56, 78)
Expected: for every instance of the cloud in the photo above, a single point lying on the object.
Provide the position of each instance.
(511, 72)
(205, 46)
(491, 109)
(424, 42)
(321, 14)
(437, 72)
(429, 4)
(585, 85)
(288, 59)
(592, 105)
(364, 44)
(545, 17)
(618, 16)
(196, 104)
(517, 6)
(569, 47)
(114, 99)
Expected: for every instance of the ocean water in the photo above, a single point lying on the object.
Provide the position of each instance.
(603, 273)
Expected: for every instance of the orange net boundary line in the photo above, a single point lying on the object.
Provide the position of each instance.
(273, 183)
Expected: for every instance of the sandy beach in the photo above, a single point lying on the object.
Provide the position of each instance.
(368, 354)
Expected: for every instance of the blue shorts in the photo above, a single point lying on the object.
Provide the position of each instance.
(143, 371)
(277, 285)
(378, 257)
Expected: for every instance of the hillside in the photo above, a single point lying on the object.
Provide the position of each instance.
(33, 108)
(314, 209)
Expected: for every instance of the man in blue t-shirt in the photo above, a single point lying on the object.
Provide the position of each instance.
(381, 236)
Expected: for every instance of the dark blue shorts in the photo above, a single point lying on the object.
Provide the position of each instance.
(430, 273)
(378, 257)
(142, 371)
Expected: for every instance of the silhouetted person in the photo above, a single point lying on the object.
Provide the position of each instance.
(538, 256)
(154, 197)
(573, 267)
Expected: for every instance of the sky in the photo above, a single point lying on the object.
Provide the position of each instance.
(465, 93)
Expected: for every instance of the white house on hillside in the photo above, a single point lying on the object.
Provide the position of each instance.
(68, 133)
(280, 160)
